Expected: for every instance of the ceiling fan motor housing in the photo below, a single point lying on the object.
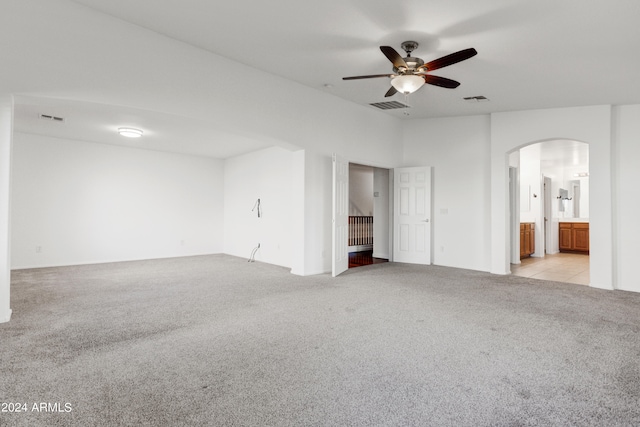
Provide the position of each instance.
(412, 62)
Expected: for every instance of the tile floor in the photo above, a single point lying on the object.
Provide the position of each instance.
(561, 267)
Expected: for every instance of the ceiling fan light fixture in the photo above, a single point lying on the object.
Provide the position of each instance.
(130, 132)
(407, 83)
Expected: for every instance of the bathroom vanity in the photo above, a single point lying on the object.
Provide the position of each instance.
(574, 236)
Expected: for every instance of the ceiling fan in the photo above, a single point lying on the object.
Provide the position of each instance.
(410, 73)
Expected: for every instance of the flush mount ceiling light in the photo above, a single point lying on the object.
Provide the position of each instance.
(407, 83)
(130, 132)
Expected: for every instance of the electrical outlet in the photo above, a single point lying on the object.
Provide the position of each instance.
(38, 249)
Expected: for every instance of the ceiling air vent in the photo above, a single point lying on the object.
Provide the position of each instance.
(52, 118)
(473, 99)
(392, 105)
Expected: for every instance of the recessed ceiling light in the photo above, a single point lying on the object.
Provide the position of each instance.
(130, 132)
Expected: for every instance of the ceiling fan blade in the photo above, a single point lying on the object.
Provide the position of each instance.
(441, 81)
(393, 56)
(450, 59)
(368, 77)
(392, 91)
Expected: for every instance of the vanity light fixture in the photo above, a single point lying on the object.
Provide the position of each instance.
(130, 132)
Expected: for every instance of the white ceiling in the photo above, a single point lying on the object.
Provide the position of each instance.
(99, 123)
(531, 54)
(564, 154)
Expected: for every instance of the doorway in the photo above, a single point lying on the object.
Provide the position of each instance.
(410, 190)
(553, 198)
(369, 215)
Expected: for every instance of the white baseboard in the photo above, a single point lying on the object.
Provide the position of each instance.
(112, 261)
(601, 286)
(309, 273)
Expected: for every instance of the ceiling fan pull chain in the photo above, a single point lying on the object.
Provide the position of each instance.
(406, 104)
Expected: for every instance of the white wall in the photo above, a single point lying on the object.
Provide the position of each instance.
(77, 202)
(514, 218)
(6, 137)
(297, 227)
(531, 185)
(627, 195)
(458, 149)
(381, 214)
(265, 175)
(360, 190)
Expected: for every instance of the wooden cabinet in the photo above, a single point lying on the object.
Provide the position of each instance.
(565, 236)
(527, 239)
(574, 237)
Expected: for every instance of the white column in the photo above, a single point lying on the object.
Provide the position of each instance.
(500, 233)
(6, 136)
(297, 215)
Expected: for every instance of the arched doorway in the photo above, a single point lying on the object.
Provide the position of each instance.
(549, 203)
(512, 130)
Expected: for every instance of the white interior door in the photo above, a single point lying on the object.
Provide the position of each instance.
(340, 220)
(412, 215)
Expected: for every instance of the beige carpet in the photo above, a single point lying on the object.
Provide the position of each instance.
(217, 341)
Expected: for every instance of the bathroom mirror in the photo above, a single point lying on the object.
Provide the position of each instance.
(563, 197)
(575, 198)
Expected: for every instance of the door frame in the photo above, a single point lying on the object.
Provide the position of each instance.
(390, 207)
(392, 197)
(548, 215)
(514, 213)
(339, 215)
